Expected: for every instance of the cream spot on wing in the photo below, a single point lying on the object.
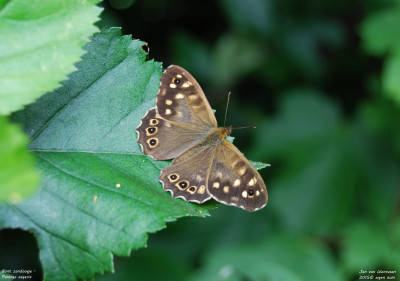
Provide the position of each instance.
(244, 194)
(219, 175)
(236, 183)
(179, 96)
(257, 193)
(251, 182)
(179, 76)
(172, 85)
(198, 178)
(179, 114)
(168, 124)
(234, 198)
(168, 111)
(242, 171)
(193, 97)
(202, 189)
(168, 102)
(216, 184)
(186, 85)
(234, 163)
(226, 189)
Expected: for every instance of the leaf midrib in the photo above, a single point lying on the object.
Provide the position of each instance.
(98, 185)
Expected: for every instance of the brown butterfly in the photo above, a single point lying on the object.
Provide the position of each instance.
(183, 127)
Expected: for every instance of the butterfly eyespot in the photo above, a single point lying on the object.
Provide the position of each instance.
(176, 81)
(182, 185)
(145, 48)
(152, 142)
(192, 189)
(251, 192)
(173, 177)
(154, 121)
(151, 131)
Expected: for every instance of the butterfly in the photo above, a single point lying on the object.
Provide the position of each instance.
(182, 126)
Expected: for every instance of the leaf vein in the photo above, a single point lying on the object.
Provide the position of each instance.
(54, 234)
(48, 122)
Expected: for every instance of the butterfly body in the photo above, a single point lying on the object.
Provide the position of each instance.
(206, 165)
(218, 135)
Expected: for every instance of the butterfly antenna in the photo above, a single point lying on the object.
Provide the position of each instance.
(226, 108)
(245, 127)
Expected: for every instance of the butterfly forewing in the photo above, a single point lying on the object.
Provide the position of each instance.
(234, 181)
(182, 100)
(157, 137)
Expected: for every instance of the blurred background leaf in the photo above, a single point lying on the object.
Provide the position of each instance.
(19, 177)
(39, 43)
(278, 257)
(381, 34)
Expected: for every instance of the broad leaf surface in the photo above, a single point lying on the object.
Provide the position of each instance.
(100, 196)
(39, 43)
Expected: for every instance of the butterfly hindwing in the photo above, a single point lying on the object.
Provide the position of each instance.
(186, 177)
(234, 181)
(181, 100)
(155, 136)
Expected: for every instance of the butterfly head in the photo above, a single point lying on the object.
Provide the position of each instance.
(224, 132)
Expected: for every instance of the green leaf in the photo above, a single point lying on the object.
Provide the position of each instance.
(381, 36)
(100, 195)
(280, 257)
(381, 31)
(370, 246)
(390, 77)
(259, 165)
(19, 178)
(39, 42)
